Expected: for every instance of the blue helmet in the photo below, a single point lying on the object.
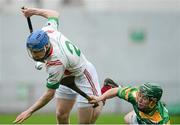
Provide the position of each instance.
(37, 40)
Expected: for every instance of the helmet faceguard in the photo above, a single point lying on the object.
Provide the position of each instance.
(38, 45)
(40, 55)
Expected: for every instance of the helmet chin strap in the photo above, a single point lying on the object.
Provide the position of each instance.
(47, 54)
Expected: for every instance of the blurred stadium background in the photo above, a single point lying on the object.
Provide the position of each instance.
(131, 41)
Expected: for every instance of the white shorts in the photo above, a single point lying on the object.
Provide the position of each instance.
(133, 119)
(88, 82)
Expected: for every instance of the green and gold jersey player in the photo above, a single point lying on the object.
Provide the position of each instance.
(145, 99)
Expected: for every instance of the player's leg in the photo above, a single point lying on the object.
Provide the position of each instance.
(89, 115)
(65, 101)
(130, 118)
(88, 82)
(85, 115)
(63, 109)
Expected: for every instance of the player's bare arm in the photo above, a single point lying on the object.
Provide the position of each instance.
(46, 13)
(107, 95)
(42, 101)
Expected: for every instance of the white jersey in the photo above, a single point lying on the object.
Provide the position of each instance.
(66, 59)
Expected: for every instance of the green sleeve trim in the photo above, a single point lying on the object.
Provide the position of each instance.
(54, 86)
(119, 92)
(54, 19)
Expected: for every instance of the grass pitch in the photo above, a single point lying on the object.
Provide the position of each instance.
(49, 118)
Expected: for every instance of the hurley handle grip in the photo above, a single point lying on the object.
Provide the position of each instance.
(29, 22)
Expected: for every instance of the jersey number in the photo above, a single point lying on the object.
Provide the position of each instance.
(74, 49)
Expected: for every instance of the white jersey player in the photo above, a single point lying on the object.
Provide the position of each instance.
(62, 59)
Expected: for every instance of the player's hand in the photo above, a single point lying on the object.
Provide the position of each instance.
(23, 116)
(94, 99)
(27, 12)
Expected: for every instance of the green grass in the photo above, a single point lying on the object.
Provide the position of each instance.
(50, 119)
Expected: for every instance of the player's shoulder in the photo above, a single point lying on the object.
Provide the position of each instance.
(128, 92)
(51, 25)
(130, 89)
(162, 106)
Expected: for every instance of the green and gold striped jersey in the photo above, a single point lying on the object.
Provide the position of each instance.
(159, 115)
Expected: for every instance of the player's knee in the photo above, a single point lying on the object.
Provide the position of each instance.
(62, 116)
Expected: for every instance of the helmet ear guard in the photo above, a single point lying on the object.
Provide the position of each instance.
(153, 102)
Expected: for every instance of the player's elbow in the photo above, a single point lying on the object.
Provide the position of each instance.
(50, 93)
